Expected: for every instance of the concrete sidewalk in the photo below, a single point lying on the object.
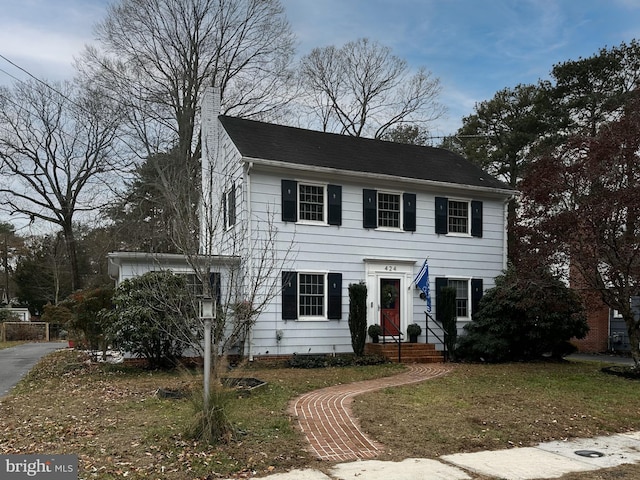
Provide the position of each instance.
(546, 460)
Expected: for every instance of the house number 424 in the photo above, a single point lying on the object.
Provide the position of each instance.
(390, 268)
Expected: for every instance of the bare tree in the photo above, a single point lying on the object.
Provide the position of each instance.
(363, 89)
(156, 56)
(56, 148)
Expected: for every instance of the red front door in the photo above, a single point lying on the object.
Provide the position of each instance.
(390, 306)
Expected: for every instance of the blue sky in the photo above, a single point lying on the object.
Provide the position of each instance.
(475, 47)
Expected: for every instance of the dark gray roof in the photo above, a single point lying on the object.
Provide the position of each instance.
(313, 148)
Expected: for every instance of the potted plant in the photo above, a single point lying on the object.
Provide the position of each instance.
(414, 331)
(374, 332)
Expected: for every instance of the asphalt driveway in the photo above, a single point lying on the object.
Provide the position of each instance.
(15, 362)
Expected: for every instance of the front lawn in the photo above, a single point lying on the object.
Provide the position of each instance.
(490, 407)
(111, 417)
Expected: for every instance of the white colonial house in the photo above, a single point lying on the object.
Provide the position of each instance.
(337, 210)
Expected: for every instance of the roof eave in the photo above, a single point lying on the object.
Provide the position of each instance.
(276, 164)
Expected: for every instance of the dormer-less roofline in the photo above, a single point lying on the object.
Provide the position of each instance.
(309, 150)
(334, 172)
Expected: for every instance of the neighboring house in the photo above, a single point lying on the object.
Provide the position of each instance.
(18, 314)
(346, 210)
(607, 329)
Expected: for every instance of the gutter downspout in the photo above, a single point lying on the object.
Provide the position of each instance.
(250, 239)
(505, 236)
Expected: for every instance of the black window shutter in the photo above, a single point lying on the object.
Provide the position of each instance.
(440, 284)
(231, 203)
(442, 211)
(289, 295)
(289, 201)
(335, 296)
(476, 294)
(369, 208)
(224, 210)
(409, 209)
(216, 288)
(476, 218)
(334, 192)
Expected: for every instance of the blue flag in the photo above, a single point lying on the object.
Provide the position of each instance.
(422, 282)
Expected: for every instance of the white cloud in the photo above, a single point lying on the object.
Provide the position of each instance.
(44, 37)
(23, 41)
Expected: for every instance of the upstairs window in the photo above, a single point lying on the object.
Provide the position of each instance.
(458, 217)
(313, 203)
(389, 210)
(229, 207)
(231, 202)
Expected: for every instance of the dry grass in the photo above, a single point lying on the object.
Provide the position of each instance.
(10, 344)
(488, 407)
(111, 418)
(478, 407)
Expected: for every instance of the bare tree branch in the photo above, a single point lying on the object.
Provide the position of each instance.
(362, 89)
(56, 151)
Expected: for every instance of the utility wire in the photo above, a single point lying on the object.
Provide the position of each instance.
(42, 82)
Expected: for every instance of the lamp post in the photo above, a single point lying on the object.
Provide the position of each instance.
(207, 314)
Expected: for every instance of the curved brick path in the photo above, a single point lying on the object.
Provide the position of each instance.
(326, 419)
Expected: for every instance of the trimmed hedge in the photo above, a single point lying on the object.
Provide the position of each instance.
(324, 361)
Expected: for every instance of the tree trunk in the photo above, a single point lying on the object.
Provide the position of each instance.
(70, 243)
(633, 328)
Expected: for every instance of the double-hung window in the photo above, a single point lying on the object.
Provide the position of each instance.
(311, 296)
(462, 297)
(458, 217)
(311, 203)
(311, 289)
(468, 295)
(195, 287)
(389, 210)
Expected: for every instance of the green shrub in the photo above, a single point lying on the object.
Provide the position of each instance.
(7, 315)
(525, 316)
(153, 318)
(358, 316)
(325, 361)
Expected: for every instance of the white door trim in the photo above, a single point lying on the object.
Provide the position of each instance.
(377, 269)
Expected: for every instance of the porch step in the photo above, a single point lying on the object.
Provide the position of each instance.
(409, 352)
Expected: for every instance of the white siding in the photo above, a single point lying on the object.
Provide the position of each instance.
(343, 249)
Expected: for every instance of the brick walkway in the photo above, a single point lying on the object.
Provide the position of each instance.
(326, 419)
